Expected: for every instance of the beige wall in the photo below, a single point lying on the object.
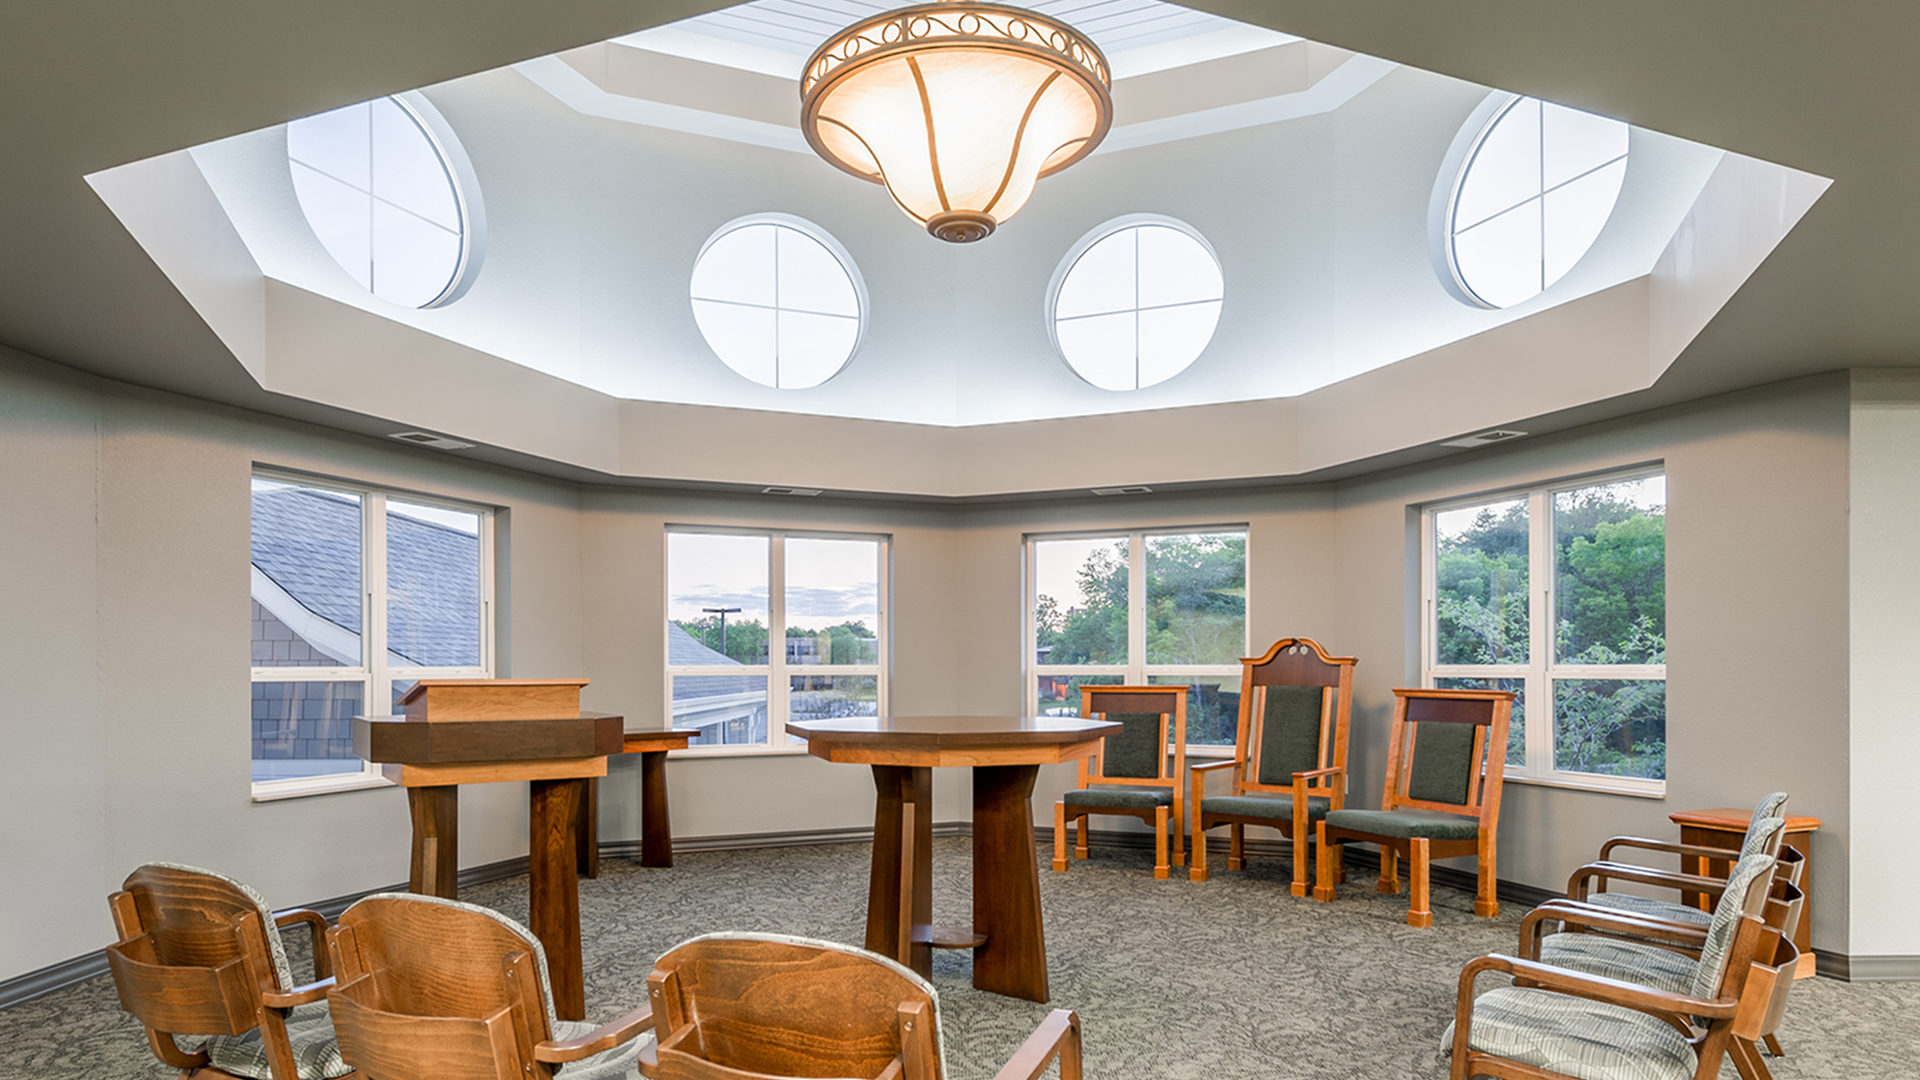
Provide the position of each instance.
(123, 635)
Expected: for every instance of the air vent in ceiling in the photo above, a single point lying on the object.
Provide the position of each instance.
(427, 439)
(807, 493)
(1485, 438)
(1128, 489)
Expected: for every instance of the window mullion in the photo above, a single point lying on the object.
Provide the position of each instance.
(1136, 607)
(778, 685)
(1540, 625)
(373, 621)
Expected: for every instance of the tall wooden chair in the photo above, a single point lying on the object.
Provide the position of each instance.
(1446, 757)
(201, 965)
(437, 988)
(1132, 774)
(1556, 1022)
(1289, 753)
(762, 1006)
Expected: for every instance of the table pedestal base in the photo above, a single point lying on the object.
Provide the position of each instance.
(1010, 955)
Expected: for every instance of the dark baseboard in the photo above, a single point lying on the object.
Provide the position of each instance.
(1867, 968)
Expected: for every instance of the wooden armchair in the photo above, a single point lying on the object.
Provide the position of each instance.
(1446, 756)
(437, 988)
(1289, 764)
(1557, 1022)
(1589, 883)
(763, 1006)
(1132, 775)
(200, 964)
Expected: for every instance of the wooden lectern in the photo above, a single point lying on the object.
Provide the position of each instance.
(479, 731)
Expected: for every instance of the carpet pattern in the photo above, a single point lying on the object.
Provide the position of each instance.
(1225, 980)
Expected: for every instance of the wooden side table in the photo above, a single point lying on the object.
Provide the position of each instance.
(1725, 828)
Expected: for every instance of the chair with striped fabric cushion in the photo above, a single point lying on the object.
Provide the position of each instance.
(1445, 762)
(1556, 1022)
(1589, 882)
(1132, 775)
(739, 1006)
(201, 965)
(437, 988)
(1289, 754)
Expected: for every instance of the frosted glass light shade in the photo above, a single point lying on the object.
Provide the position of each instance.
(956, 108)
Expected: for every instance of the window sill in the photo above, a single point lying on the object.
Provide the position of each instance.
(1597, 786)
(738, 751)
(321, 786)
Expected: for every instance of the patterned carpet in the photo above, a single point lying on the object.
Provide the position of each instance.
(1230, 979)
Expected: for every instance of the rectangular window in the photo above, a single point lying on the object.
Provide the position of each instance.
(356, 595)
(1559, 594)
(1162, 607)
(731, 593)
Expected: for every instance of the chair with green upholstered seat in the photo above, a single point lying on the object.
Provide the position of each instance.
(1445, 762)
(1132, 775)
(1289, 753)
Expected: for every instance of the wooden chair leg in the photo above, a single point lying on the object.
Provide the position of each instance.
(1060, 837)
(1487, 903)
(1300, 846)
(1389, 870)
(1773, 1045)
(1236, 846)
(1197, 870)
(1179, 838)
(1418, 912)
(1080, 824)
(1323, 875)
(1339, 864)
(1747, 1060)
(1161, 828)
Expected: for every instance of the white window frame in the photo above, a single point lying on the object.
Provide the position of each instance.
(1136, 672)
(776, 670)
(1542, 669)
(374, 673)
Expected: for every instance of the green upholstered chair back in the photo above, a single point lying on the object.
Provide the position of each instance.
(1294, 705)
(1440, 743)
(1292, 722)
(1150, 718)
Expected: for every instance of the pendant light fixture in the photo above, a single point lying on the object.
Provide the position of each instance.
(957, 108)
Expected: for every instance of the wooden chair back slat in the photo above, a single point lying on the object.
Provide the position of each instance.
(180, 998)
(436, 960)
(731, 1008)
(190, 916)
(385, 1045)
(1487, 711)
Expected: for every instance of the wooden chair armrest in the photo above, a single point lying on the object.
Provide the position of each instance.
(1197, 778)
(1613, 991)
(1331, 770)
(317, 928)
(1209, 766)
(605, 1037)
(1581, 880)
(1593, 917)
(299, 995)
(1640, 843)
(1057, 1036)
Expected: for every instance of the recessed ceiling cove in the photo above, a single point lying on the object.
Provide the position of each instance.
(1322, 183)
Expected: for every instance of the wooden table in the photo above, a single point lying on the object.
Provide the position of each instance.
(1726, 827)
(557, 756)
(1005, 752)
(656, 831)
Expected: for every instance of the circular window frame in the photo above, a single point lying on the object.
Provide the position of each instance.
(1086, 242)
(819, 235)
(468, 203)
(1461, 153)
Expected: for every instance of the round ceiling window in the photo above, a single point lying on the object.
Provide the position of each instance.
(1537, 187)
(376, 185)
(778, 300)
(1135, 302)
